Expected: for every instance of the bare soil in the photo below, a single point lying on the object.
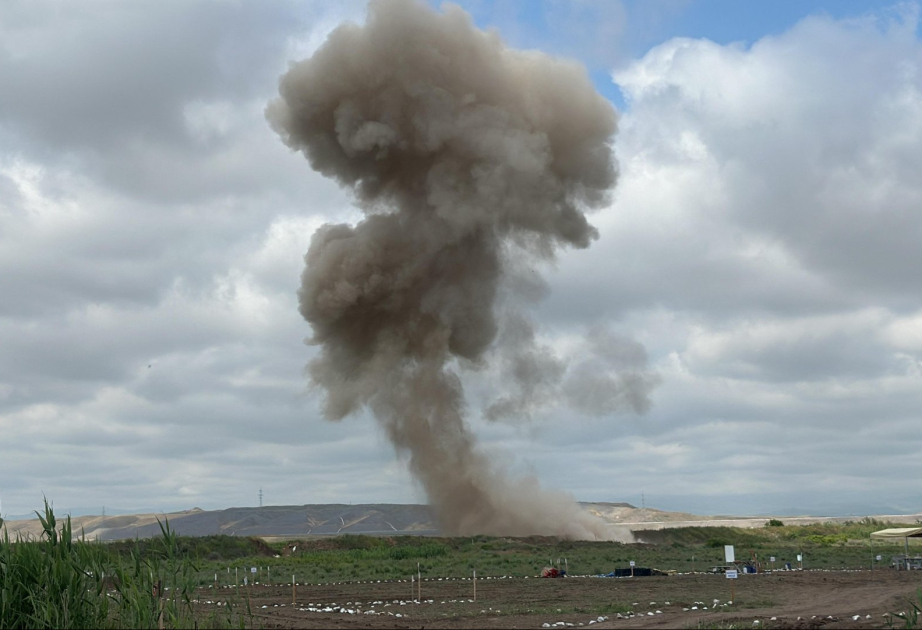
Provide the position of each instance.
(795, 599)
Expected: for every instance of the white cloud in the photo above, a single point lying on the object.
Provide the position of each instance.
(905, 333)
(811, 134)
(763, 246)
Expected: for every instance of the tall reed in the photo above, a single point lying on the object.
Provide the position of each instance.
(59, 581)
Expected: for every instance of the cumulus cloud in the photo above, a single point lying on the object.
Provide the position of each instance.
(768, 220)
(150, 237)
(807, 139)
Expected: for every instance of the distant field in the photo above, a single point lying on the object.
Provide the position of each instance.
(351, 558)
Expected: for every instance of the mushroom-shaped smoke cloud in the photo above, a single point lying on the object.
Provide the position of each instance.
(459, 150)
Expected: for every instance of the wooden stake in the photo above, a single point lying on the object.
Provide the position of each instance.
(475, 585)
(294, 591)
(412, 586)
(419, 582)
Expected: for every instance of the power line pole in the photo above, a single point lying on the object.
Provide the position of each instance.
(260, 497)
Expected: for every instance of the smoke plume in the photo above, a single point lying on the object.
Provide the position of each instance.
(461, 152)
(609, 376)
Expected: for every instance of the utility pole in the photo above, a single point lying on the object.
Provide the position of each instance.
(260, 497)
(643, 503)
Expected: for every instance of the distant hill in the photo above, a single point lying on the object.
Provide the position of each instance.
(304, 520)
(76, 511)
(380, 519)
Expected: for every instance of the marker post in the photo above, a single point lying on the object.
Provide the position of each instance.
(732, 575)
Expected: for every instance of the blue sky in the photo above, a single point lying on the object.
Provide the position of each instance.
(641, 24)
(761, 246)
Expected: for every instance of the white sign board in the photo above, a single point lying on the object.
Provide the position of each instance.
(878, 558)
(728, 553)
(253, 570)
(773, 558)
(800, 558)
(731, 574)
(632, 563)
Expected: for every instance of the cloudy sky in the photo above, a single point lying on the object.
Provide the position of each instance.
(763, 246)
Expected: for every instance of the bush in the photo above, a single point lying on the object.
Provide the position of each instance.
(774, 523)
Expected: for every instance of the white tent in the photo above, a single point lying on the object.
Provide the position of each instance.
(899, 532)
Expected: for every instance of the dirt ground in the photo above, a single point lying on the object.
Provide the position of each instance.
(810, 599)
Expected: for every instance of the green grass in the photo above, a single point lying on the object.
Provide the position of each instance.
(355, 558)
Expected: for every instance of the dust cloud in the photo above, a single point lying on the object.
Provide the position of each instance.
(609, 376)
(462, 153)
